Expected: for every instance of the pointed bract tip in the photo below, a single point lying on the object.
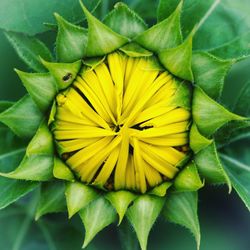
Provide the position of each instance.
(85, 243)
(19, 72)
(120, 4)
(85, 10)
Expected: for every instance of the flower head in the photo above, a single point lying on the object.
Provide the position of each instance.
(119, 126)
(127, 120)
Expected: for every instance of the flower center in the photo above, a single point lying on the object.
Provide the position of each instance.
(120, 126)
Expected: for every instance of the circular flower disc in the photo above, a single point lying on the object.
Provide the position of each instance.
(118, 126)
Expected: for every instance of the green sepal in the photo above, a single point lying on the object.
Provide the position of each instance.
(178, 60)
(37, 164)
(166, 34)
(33, 168)
(23, 118)
(120, 200)
(183, 95)
(71, 41)
(64, 73)
(196, 140)
(209, 166)
(142, 215)
(208, 114)
(78, 196)
(41, 87)
(209, 72)
(42, 142)
(188, 179)
(5, 105)
(62, 171)
(52, 113)
(125, 21)
(93, 62)
(101, 39)
(135, 50)
(95, 217)
(161, 190)
(181, 209)
(52, 199)
(29, 49)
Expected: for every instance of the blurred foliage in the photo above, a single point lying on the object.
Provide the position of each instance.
(225, 222)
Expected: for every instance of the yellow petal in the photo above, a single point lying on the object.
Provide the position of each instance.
(139, 168)
(88, 169)
(107, 168)
(130, 174)
(153, 177)
(169, 140)
(173, 116)
(163, 131)
(88, 152)
(120, 171)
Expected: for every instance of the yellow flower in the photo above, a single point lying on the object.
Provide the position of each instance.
(118, 127)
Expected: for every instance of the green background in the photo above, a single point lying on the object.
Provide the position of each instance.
(224, 220)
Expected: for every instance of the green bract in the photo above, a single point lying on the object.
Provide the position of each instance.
(200, 76)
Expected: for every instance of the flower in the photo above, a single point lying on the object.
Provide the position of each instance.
(118, 127)
(126, 120)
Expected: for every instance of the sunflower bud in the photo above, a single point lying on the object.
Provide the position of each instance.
(126, 118)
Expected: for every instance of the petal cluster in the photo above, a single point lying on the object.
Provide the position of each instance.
(118, 127)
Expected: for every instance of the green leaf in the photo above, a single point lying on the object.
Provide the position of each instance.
(188, 179)
(210, 72)
(228, 20)
(101, 39)
(12, 190)
(121, 200)
(52, 199)
(242, 103)
(181, 208)
(29, 16)
(233, 131)
(64, 73)
(41, 87)
(29, 49)
(209, 166)
(127, 236)
(237, 48)
(37, 165)
(125, 21)
(206, 110)
(135, 50)
(10, 156)
(71, 41)
(5, 105)
(23, 117)
(78, 196)
(166, 34)
(96, 216)
(142, 215)
(178, 60)
(196, 9)
(237, 130)
(197, 140)
(62, 171)
(239, 172)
